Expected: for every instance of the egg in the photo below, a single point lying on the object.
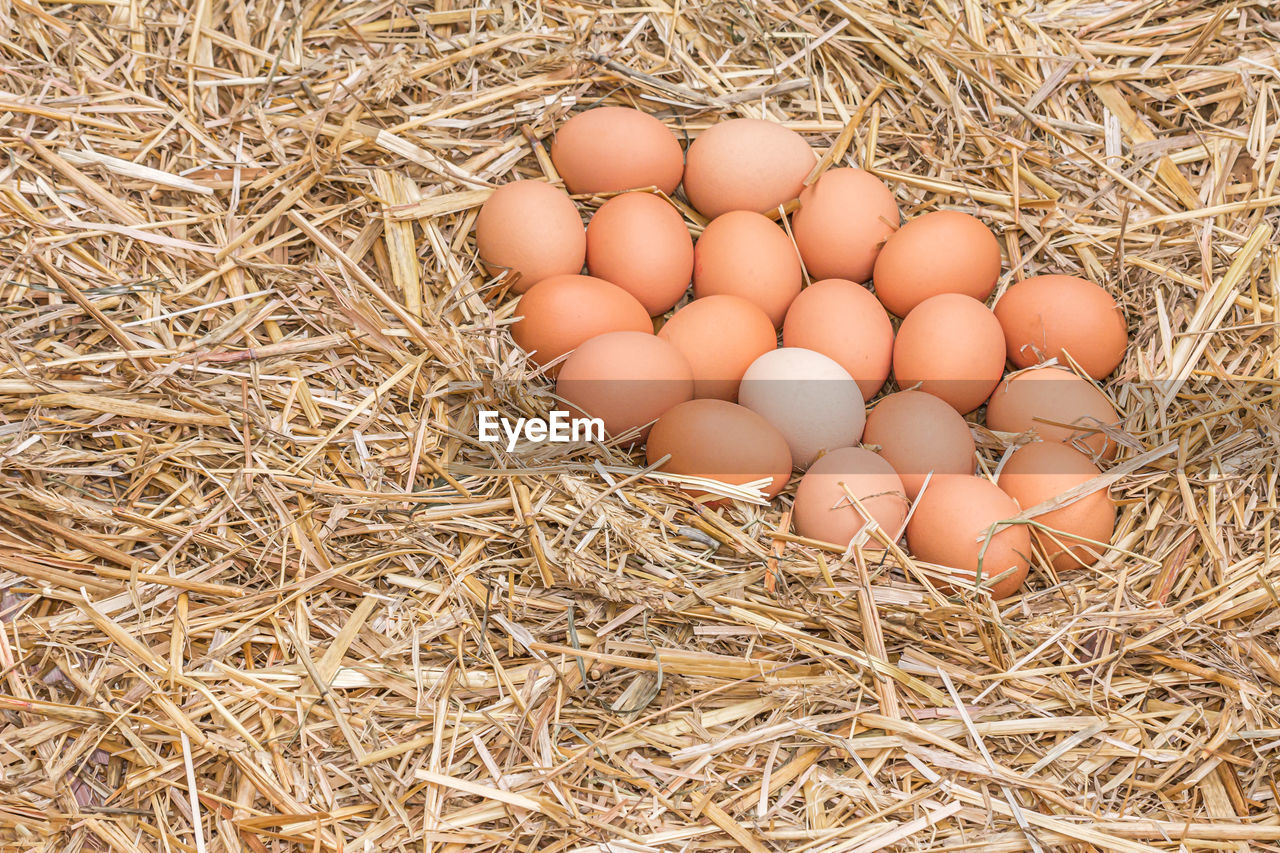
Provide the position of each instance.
(530, 229)
(746, 164)
(745, 254)
(719, 440)
(559, 313)
(639, 242)
(809, 398)
(846, 323)
(919, 434)
(1041, 471)
(1056, 405)
(627, 379)
(823, 511)
(720, 336)
(951, 526)
(1049, 316)
(951, 346)
(843, 220)
(941, 252)
(611, 149)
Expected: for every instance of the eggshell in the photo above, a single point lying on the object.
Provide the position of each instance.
(843, 219)
(720, 336)
(746, 164)
(809, 398)
(953, 346)
(532, 229)
(951, 523)
(627, 379)
(941, 252)
(1045, 316)
(611, 149)
(559, 313)
(639, 242)
(1041, 471)
(919, 434)
(823, 511)
(846, 323)
(745, 254)
(721, 441)
(1056, 405)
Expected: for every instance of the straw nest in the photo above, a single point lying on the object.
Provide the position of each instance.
(264, 591)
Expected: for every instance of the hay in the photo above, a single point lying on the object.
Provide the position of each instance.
(264, 592)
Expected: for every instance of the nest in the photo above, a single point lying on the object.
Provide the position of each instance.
(264, 590)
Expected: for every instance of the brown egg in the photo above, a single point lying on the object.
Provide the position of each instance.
(611, 149)
(720, 336)
(746, 164)
(843, 219)
(953, 346)
(951, 526)
(846, 323)
(745, 254)
(639, 242)
(941, 252)
(1045, 316)
(720, 441)
(560, 312)
(1056, 405)
(532, 229)
(919, 434)
(1041, 471)
(823, 511)
(627, 379)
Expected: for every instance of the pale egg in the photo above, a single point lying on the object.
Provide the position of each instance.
(809, 398)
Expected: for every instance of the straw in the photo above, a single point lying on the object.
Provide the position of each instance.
(262, 589)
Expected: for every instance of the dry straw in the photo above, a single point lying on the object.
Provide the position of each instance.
(265, 592)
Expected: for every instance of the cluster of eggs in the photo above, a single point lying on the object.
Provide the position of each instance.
(712, 393)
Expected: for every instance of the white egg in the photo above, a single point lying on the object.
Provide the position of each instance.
(808, 397)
